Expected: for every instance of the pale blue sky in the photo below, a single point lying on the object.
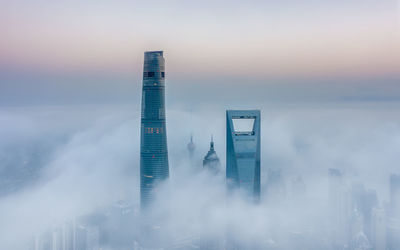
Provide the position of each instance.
(77, 51)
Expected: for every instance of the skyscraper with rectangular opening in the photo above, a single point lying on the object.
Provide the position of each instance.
(243, 151)
(153, 140)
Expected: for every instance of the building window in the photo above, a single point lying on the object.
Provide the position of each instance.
(150, 130)
(148, 74)
(162, 74)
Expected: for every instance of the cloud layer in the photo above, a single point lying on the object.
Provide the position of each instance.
(91, 159)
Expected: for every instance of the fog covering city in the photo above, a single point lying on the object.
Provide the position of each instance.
(81, 163)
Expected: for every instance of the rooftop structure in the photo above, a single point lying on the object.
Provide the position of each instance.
(211, 160)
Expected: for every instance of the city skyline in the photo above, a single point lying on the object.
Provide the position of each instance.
(296, 141)
(106, 112)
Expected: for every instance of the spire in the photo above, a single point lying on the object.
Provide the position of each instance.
(211, 160)
(191, 146)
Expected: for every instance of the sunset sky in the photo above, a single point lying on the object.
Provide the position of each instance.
(257, 42)
(325, 75)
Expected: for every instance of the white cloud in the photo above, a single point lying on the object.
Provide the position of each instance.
(97, 165)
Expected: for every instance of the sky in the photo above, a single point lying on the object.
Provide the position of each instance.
(92, 51)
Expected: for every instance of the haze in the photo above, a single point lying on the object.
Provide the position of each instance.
(325, 75)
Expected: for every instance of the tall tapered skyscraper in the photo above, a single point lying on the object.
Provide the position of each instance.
(243, 151)
(153, 140)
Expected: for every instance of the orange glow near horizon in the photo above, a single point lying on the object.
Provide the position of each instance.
(280, 45)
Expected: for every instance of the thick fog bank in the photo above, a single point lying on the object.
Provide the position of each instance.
(60, 163)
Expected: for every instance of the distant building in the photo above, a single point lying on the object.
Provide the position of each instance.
(364, 200)
(191, 147)
(393, 218)
(80, 238)
(393, 233)
(339, 210)
(395, 195)
(69, 234)
(211, 161)
(356, 225)
(57, 239)
(153, 141)
(243, 151)
(72, 235)
(378, 229)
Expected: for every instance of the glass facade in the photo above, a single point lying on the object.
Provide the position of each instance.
(153, 145)
(243, 151)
